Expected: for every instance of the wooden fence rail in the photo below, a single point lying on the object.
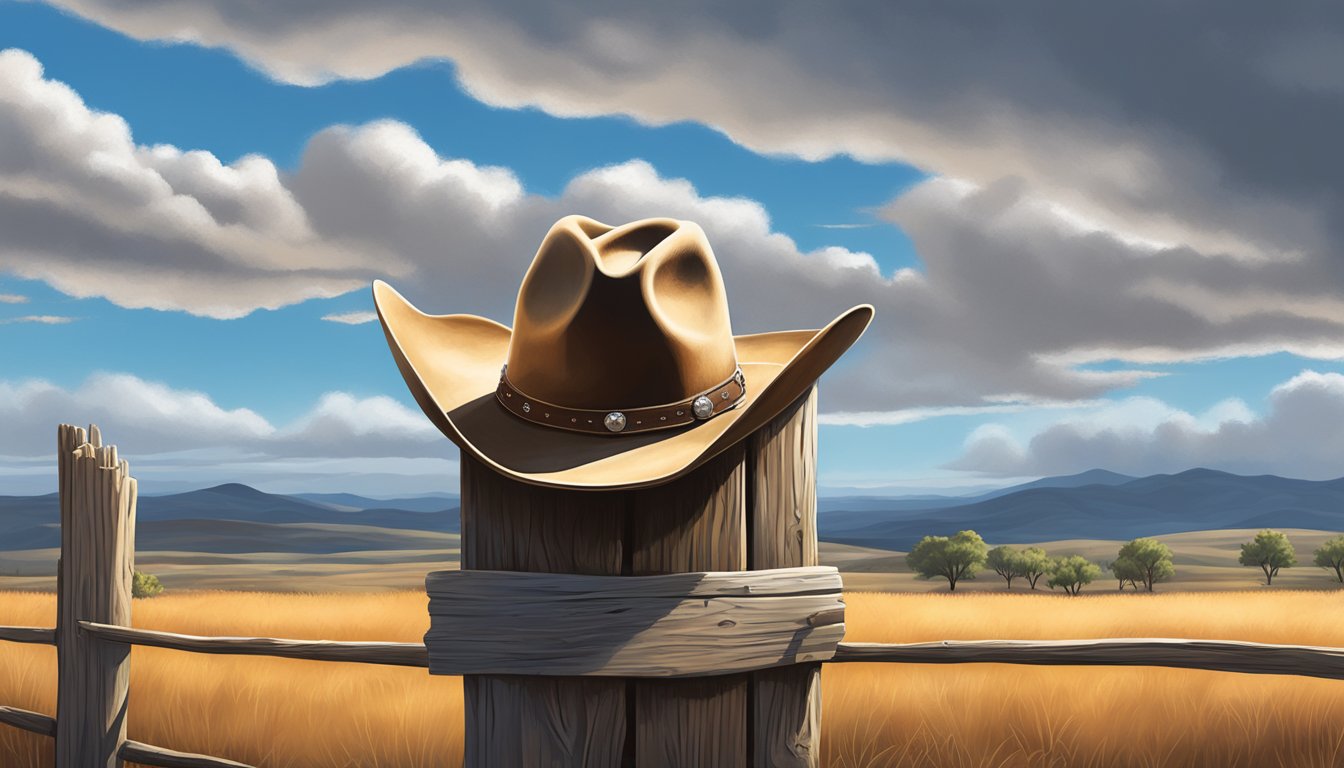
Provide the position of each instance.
(396, 654)
(147, 754)
(39, 635)
(1214, 655)
(93, 654)
(22, 719)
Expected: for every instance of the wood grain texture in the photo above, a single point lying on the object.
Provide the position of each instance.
(558, 721)
(669, 625)
(33, 722)
(526, 721)
(395, 654)
(511, 526)
(786, 712)
(782, 457)
(698, 722)
(38, 635)
(696, 523)
(565, 587)
(146, 754)
(1217, 655)
(782, 532)
(98, 499)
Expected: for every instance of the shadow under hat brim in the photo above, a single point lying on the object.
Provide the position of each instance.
(451, 364)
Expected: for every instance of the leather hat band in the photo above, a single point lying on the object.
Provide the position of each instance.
(625, 421)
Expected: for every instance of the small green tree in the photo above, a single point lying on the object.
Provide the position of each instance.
(1331, 555)
(1005, 561)
(145, 585)
(952, 558)
(1034, 564)
(1271, 551)
(1072, 573)
(1126, 572)
(1148, 559)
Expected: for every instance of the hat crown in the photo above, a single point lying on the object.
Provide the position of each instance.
(621, 317)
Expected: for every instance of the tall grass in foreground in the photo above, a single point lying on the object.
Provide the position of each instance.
(266, 712)
(275, 712)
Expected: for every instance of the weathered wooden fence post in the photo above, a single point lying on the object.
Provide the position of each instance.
(752, 507)
(512, 526)
(93, 584)
(785, 701)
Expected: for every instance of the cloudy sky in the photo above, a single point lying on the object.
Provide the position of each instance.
(1095, 236)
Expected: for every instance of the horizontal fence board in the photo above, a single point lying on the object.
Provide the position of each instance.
(39, 635)
(29, 721)
(670, 625)
(1215, 655)
(395, 654)
(146, 754)
(818, 579)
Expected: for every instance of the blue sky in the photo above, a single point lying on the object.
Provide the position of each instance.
(1118, 399)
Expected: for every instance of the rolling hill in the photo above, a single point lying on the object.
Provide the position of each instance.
(32, 522)
(1119, 508)
(236, 537)
(235, 519)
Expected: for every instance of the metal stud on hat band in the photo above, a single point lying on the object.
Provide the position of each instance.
(701, 407)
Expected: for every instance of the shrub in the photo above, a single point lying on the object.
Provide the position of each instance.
(952, 558)
(1127, 572)
(1331, 555)
(1034, 563)
(145, 585)
(1005, 561)
(1271, 551)
(1144, 561)
(1072, 573)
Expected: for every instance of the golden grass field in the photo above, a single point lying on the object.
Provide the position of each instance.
(274, 712)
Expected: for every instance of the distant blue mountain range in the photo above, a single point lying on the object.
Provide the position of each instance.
(1093, 505)
(237, 518)
(857, 504)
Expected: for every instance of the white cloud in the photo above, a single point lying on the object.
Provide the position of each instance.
(1201, 151)
(351, 318)
(1015, 292)
(912, 415)
(39, 319)
(91, 213)
(147, 418)
(1297, 436)
(12, 298)
(178, 439)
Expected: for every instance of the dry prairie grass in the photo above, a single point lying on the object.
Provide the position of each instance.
(1002, 716)
(266, 712)
(275, 712)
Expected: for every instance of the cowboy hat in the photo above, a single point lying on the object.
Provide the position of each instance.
(621, 370)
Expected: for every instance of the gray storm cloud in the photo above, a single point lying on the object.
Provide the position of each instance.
(1297, 436)
(1208, 124)
(1016, 289)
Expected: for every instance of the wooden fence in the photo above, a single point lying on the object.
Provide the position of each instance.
(93, 636)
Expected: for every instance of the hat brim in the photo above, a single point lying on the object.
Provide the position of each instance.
(451, 364)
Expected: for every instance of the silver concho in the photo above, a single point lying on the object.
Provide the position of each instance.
(702, 407)
(615, 421)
